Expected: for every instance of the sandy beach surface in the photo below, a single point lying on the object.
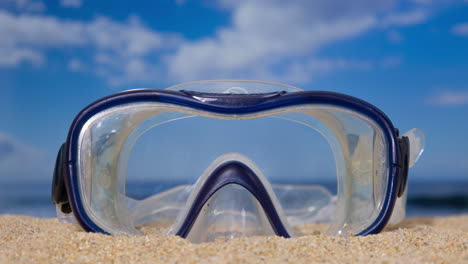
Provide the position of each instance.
(421, 240)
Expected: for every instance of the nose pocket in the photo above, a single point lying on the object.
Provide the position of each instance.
(231, 201)
(230, 212)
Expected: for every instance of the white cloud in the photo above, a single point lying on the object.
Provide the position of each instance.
(24, 5)
(265, 39)
(71, 3)
(24, 36)
(449, 98)
(20, 161)
(10, 56)
(128, 52)
(413, 17)
(259, 40)
(460, 29)
(128, 46)
(280, 39)
(305, 72)
(39, 31)
(132, 38)
(265, 36)
(316, 67)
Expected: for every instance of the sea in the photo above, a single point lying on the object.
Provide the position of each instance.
(424, 198)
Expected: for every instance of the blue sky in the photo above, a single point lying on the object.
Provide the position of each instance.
(408, 58)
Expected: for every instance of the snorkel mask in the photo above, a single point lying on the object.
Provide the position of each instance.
(225, 159)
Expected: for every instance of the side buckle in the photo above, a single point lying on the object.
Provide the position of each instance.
(59, 190)
(404, 145)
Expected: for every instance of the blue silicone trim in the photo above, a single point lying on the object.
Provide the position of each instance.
(233, 172)
(233, 104)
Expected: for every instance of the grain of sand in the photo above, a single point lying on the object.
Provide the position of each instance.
(425, 240)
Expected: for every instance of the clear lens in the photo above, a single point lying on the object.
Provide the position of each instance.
(327, 168)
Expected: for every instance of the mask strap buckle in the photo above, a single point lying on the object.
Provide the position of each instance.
(59, 193)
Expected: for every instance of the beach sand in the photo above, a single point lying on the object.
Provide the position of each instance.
(421, 240)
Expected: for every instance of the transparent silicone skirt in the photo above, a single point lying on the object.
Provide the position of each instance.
(152, 166)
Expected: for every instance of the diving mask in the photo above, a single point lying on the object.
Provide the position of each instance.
(225, 159)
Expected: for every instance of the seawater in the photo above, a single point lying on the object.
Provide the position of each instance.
(424, 198)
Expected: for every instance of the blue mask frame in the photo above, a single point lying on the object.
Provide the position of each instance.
(65, 184)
